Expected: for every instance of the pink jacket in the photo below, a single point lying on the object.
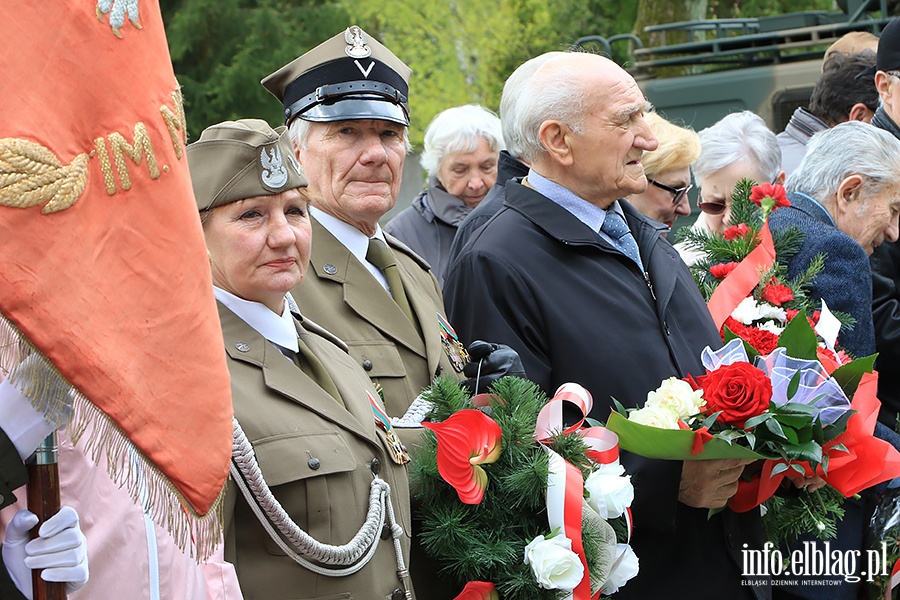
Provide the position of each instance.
(128, 555)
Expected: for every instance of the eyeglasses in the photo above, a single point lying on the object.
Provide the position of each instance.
(678, 193)
(710, 208)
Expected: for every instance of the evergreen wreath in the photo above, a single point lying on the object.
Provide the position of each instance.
(486, 541)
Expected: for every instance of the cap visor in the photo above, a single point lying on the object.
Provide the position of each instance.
(350, 109)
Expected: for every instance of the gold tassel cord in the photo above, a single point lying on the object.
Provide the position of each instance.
(62, 404)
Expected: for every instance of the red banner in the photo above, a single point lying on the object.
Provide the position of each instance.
(103, 267)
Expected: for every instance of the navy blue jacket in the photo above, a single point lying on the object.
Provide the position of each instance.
(846, 281)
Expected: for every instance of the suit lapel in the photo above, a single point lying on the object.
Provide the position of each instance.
(359, 289)
(245, 344)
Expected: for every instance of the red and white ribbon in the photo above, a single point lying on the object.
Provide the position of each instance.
(565, 483)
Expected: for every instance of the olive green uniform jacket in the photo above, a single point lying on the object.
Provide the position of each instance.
(290, 421)
(342, 296)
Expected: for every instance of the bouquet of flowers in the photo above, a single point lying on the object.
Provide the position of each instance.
(786, 408)
(512, 504)
(780, 389)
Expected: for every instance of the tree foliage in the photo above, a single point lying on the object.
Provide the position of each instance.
(460, 51)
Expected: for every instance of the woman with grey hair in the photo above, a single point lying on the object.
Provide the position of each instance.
(462, 145)
(739, 146)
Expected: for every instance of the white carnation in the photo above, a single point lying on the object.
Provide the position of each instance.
(677, 394)
(663, 417)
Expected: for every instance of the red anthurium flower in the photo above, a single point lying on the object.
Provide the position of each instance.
(777, 294)
(478, 590)
(774, 193)
(722, 270)
(736, 231)
(465, 440)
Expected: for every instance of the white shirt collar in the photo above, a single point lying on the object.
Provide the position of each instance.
(354, 239)
(279, 330)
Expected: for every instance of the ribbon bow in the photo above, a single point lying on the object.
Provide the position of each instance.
(565, 484)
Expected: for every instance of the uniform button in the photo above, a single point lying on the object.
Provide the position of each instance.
(386, 532)
(438, 371)
(314, 463)
(367, 365)
(397, 594)
(375, 465)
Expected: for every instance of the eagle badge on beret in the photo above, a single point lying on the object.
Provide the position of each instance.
(356, 43)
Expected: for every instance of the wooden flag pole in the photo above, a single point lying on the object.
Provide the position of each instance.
(43, 500)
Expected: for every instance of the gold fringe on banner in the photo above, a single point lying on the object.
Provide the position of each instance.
(62, 404)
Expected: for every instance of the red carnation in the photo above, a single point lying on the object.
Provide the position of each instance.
(791, 313)
(775, 192)
(722, 270)
(736, 231)
(777, 294)
(736, 327)
(762, 340)
(739, 390)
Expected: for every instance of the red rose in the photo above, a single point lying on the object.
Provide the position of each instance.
(739, 390)
(768, 190)
(777, 294)
(763, 341)
(722, 270)
(736, 231)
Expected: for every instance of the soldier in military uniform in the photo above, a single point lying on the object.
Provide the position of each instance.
(346, 103)
(316, 465)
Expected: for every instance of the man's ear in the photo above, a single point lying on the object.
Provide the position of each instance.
(848, 193)
(780, 179)
(883, 84)
(860, 112)
(554, 136)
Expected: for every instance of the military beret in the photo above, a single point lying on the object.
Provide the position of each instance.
(241, 159)
(350, 76)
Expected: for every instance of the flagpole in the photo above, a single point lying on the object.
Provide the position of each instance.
(43, 500)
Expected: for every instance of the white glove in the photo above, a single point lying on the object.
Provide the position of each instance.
(60, 549)
(23, 424)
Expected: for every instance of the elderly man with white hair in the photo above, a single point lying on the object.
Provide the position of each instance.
(462, 146)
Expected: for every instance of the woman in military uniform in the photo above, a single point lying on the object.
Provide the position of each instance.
(318, 503)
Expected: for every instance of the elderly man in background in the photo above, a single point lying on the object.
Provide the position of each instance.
(845, 198)
(586, 289)
(462, 145)
(346, 105)
(845, 92)
(668, 171)
(885, 260)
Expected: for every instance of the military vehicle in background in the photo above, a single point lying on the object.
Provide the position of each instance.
(768, 64)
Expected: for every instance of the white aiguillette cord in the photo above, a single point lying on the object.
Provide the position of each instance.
(353, 555)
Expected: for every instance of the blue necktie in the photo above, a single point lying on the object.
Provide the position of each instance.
(617, 229)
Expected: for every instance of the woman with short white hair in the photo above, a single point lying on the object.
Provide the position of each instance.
(462, 146)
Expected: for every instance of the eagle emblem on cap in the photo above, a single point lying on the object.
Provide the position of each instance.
(274, 175)
(356, 43)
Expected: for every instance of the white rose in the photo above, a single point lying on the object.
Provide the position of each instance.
(663, 417)
(609, 490)
(679, 395)
(625, 567)
(554, 565)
